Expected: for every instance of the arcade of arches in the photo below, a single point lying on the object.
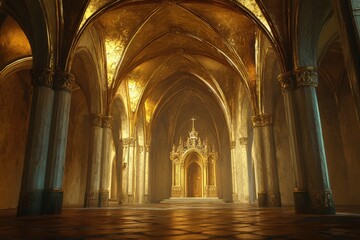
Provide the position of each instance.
(97, 99)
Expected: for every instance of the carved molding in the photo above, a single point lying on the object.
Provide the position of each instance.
(306, 76)
(96, 120)
(287, 81)
(262, 120)
(43, 77)
(107, 121)
(243, 140)
(63, 81)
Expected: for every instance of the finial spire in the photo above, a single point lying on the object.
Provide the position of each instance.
(193, 123)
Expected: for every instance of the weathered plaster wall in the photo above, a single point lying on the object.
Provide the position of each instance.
(15, 102)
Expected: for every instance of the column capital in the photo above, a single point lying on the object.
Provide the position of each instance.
(306, 76)
(262, 120)
(64, 81)
(96, 120)
(232, 144)
(42, 77)
(243, 141)
(287, 81)
(106, 121)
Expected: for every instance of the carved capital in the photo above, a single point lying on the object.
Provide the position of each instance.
(322, 201)
(262, 120)
(42, 77)
(63, 81)
(243, 141)
(287, 81)
(306, 76)
(107, 121)
(96, 120)
(132, 142)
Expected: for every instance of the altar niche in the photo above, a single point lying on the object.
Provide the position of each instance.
(193, 168)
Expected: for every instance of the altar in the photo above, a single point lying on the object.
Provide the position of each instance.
(193, 168)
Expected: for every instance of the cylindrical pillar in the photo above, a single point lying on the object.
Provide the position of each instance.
(94, 170)
(30, 200)
(131, 175)
(105, 162)
(233, 171)
(146, 190)
(301, 196)
(312, 141)
(260, 172)
(272, 179)
(53, 193)
(125, 168)
(243, 172)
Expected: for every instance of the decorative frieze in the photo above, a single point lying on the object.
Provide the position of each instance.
(287, 81)
(306, 76)
(64, 81)
(262, 120)
(243, 141)
(43, 77)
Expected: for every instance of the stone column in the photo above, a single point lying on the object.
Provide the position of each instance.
(233, 171)
(318, 183)
(30, 200)
(53, 193)
(272, 180)
(105, 162)
(243, 170)
(301, 196)
(141, 175)
(146, 190)
(94, 170)
(125, 167)
(130, 187)
(260, 172)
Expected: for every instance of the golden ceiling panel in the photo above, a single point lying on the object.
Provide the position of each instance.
(92, 7)
(13, 42)
(255, 9)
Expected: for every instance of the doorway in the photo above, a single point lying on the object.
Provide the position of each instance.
(194, 180)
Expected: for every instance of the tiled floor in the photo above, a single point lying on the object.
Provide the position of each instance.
(169, 221)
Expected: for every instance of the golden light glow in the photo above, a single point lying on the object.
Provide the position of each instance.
(114, 49)
(135, 90)
(149, 109)
(254, 8)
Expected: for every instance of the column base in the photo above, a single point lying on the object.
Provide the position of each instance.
(146, 198)
(30, 203)
(52, 201)
(322, 202)
(235, 197)
(130, 199)
(274, 199)
(91, 200)
(301, 201)
(104, 199)
(262, 199)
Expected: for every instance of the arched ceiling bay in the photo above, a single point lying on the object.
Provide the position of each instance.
(149, 42)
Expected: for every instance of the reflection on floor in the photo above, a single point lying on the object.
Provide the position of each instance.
(174, 221)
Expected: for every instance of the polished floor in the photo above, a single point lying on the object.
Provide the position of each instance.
(184, 221)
